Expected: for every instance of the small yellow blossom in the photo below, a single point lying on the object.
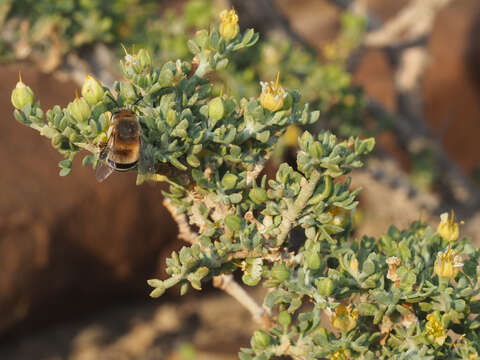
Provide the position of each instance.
(343, 317)
(229, 26)
(434, 330)
(273, 95)
(448, 229)
(393, 262)
(448, 264)
(343, 354)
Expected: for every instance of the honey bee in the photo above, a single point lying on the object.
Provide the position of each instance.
(123, 148)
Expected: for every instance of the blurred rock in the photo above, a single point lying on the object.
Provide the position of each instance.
(68, 245)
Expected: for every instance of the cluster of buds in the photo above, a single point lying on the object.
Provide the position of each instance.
(92, 93)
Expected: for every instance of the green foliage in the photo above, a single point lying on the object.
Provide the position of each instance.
(52, 28)
(402, 295)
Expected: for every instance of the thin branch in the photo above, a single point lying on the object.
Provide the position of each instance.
(225, 282)
(184, 231)
(228, 284)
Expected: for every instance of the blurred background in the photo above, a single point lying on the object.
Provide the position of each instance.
(75, 255)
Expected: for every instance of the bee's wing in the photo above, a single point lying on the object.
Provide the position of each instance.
(104, 170)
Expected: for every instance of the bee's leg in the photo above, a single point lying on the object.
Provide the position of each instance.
(140, 98)
(115, 101)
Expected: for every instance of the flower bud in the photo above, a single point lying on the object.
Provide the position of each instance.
(229, 26)
(144, 59)
(284, 319)
(261, 339)
(258, 195)
(324, 286)
(313, 260)
(79, 110)
(280, 272)
(22, 95)
(216, 109)
(92, 91)
(273, 95)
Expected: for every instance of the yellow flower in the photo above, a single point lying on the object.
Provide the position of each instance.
(229, 26)
(448, 264)
(273, 95)
(434, 330)
(343, 354)
(448, 229)
(343, 317)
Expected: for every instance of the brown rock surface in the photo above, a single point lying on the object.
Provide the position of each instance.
(68, 245)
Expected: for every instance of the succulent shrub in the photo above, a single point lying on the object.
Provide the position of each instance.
(411, 293)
